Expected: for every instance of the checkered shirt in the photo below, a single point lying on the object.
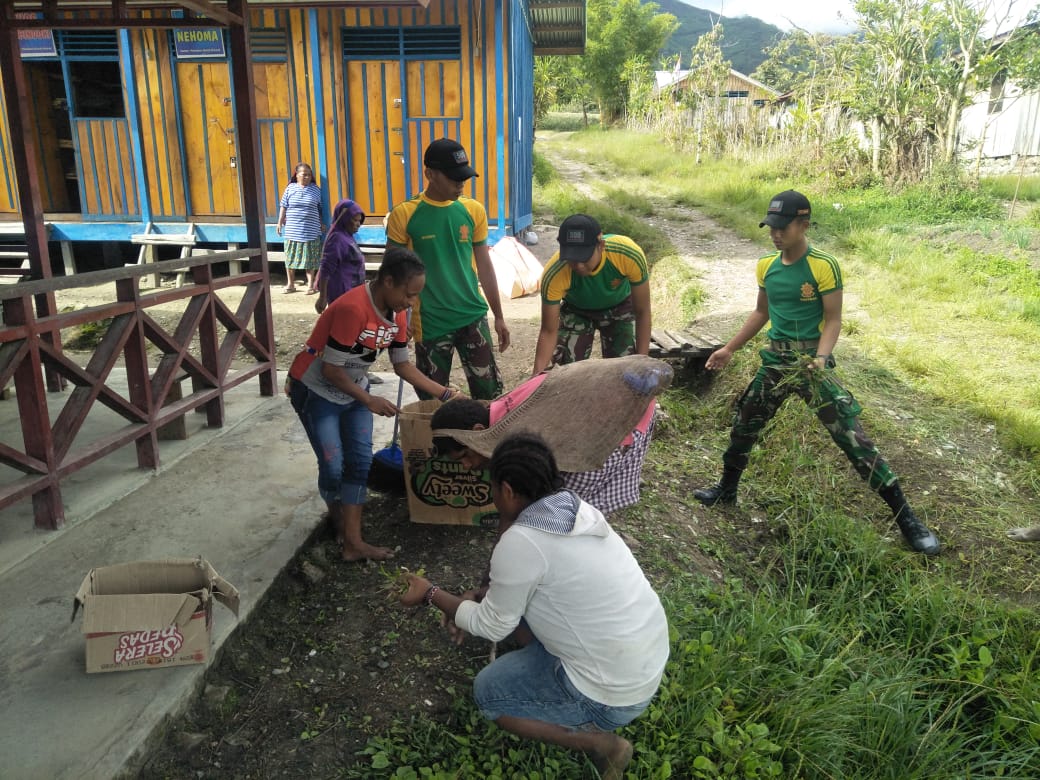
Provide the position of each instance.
(614, 485)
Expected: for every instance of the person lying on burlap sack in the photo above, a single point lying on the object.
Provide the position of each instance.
(597, 416)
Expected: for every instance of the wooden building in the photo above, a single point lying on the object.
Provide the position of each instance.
(135, 128)
(738, 87)
(182, 119)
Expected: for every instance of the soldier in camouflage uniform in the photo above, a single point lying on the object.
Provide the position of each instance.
(594, 283)
(800, 295)
(450, 232)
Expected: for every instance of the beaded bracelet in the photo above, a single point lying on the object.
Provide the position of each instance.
(446, 394)
(430, 593)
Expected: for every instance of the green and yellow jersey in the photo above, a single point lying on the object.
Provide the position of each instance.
(443, 234)
(623, 267)
(796, 291)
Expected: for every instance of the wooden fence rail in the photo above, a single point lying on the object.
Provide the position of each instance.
(200, 348)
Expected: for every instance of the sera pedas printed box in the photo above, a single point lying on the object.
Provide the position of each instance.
(440, 490)
(150, 614)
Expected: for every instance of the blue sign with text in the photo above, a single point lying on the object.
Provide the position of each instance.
(37, 43)
(198, 42)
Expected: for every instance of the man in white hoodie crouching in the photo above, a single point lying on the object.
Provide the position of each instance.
(564, 580)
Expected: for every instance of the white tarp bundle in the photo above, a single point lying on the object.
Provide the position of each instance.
(519, 272)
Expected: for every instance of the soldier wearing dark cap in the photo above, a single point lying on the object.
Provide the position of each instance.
(450, 232)
(594, 283)
(800, 296)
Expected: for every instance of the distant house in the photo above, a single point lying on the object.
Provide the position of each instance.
(1003, 121)
(738, 87)
(743, 102)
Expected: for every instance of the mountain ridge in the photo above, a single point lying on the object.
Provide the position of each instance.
(744, 40)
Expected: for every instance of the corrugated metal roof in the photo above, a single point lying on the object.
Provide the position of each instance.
(557, 26)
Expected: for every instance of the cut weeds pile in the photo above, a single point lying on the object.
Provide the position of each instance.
(807, 641)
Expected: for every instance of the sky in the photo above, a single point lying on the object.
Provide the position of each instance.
(831, 16)
(811, 15)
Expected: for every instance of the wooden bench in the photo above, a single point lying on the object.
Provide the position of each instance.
(690, 348)
(151, 239)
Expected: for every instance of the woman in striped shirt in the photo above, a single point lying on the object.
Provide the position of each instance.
(299, 217)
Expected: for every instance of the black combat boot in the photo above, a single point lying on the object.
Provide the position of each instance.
(723, 493)
(914, 531)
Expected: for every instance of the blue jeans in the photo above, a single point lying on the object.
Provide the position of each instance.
(531, 683)
(341, 435)
(298, 394)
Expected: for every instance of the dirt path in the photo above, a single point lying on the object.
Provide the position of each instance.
(722, 260)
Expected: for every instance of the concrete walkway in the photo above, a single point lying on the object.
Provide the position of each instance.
(243, 497)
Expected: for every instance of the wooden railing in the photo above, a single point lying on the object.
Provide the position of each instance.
(201, 348)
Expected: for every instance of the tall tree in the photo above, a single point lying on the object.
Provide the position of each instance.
(625, 38)
(702, 88)
(555, 81)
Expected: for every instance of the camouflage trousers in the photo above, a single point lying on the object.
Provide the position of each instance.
(782, 374)
(616, 326)
(476, 353)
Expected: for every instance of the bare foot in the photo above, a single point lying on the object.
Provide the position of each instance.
(1025, 534)
(611, 763)
(365, 552)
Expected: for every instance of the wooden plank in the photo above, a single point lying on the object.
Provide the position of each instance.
(132, 203)
(708, 342)
(161, 149)
(108, 163)
(186, 239)
(90, 203)
(680, 338)
(666, 342)
(671, 345)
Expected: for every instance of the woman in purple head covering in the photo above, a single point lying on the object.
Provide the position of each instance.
(342, 262)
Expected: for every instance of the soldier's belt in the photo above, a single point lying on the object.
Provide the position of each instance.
(793, 346)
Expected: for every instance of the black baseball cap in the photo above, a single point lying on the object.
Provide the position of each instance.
(579, 235)
(450, 158)
(786, 207)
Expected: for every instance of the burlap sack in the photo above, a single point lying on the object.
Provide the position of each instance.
(583, 410)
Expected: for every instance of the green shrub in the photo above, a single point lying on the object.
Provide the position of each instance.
(544, 173)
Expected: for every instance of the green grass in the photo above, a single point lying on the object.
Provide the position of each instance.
(925, 260)
(567, 121)
(832, 661)
(677, 295)
(1008, 186)
(806, 641)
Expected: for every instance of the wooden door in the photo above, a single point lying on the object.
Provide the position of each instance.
(48, 115)
(209, 138)
(377, 159)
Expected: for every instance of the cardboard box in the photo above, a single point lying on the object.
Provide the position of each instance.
(150, 614)
(440, 490)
